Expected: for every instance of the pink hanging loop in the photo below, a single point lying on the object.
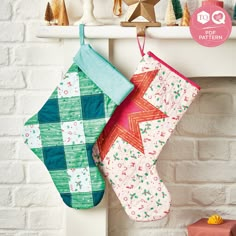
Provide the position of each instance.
(141, 47)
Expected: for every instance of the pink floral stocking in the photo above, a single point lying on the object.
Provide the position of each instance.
(128, 148)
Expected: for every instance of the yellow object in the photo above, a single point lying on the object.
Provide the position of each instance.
(117, 8)
(215, 220)
(56, 4)
(186, 16)
(63, 18)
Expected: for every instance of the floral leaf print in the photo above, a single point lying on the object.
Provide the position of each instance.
(79, 179)
(116, 157)
(146, 192)
(146, 215)
(164, 195)
(143, 131)
(159, 202)
(79, 184)
(132, 170)
(134, 195)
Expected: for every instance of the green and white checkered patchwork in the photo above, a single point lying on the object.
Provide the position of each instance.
(63, 133)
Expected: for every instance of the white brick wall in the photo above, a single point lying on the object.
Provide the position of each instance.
(3, 56)
(11, 78)
(5, 10)
(12, 219)
(40, 55)
(45, 218)
(11, 32)
(198, 163)
(29, 70)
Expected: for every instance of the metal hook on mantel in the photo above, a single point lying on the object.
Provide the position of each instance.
(145, 9)
(140, 26)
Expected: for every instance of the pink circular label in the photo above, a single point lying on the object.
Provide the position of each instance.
(210, 25)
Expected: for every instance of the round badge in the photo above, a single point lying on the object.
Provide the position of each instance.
(210, 25)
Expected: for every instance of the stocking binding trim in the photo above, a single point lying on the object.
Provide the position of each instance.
(172, 69)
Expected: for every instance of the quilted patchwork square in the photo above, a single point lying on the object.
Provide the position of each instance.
(66, 199)
(51, 134)
(73, 132)
(38, 152)
(82, 200)
(92, 129)
(97, 196)
(33, 120)
(54, 94)
(32, 136)
(87, 86)
(89, 148)
(79, 180)
(70, 109)
(73, 68)
(76, 156)
(109, 106)
(49, 113)
(98, 183)
(54, 158)
(69, 87)
(61, 180)
(93, 107)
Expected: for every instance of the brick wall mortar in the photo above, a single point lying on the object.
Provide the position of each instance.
(18, 199)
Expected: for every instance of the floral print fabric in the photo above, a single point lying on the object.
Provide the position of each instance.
(131, 171)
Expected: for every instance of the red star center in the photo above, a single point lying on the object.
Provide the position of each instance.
(124, 122)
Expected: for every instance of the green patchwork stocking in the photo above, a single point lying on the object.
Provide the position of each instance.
(65, 129)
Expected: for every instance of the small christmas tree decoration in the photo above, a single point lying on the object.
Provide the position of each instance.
(177, 9)
(63, 18)
(234, 15)
(170, 18)
(49, 14)
(186, 16)
(56, 9)
(117, 7)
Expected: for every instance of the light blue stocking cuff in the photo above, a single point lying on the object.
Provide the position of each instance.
(103, 74)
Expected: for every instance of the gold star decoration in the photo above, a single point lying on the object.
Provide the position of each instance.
(144, 8)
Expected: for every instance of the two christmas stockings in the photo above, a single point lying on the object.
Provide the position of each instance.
(62, 134)
(128, 148)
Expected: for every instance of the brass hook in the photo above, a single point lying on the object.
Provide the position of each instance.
(140, 26)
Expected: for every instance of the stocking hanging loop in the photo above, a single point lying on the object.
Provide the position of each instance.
(140, 28)
(81, 34)
(141, 47)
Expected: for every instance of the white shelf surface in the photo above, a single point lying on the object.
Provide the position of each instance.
(117, 32)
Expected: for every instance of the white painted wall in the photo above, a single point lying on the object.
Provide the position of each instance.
(198, 164)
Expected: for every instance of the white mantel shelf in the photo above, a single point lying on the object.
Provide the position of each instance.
(117, 32)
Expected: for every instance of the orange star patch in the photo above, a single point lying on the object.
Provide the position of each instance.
(124, 122)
